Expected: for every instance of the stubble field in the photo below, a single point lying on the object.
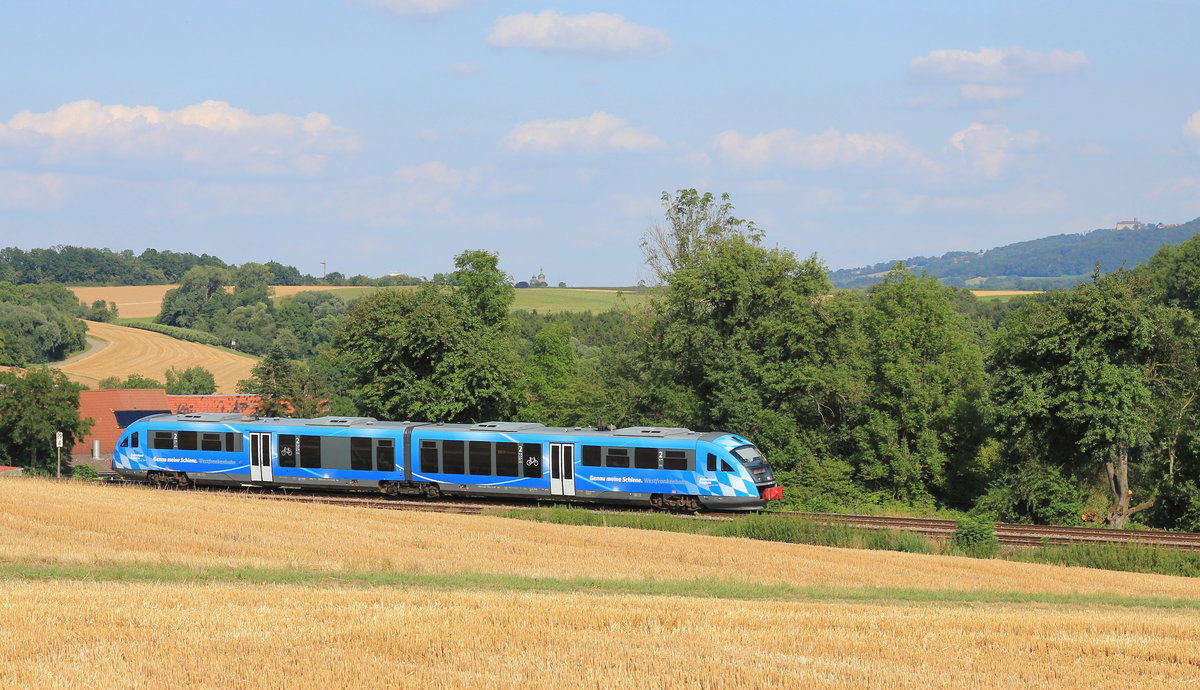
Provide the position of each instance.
(122, 587)
(134, 351)
(145, 301)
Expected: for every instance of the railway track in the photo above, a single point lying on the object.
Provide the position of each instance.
(1014, 535)
(1008, 534)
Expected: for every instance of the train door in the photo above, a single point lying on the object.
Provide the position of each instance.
(562, 469)
(260, 457)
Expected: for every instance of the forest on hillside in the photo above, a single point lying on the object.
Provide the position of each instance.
(1050, 262)
(1077, 405)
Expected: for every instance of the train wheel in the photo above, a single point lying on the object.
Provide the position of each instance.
(431, 490)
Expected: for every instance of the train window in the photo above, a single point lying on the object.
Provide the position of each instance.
(429, 457)
(675, 460)
(134, 443)
(725, 467)
(125, 443)
(479, 457)
(289, 448)
(452, 457)
(590, 456)
(233, 442)
(712, 463)
(531, 459)
(645, 458)
(163, 440)
(507, 464)
(310, 452)
(616, 457)
(211, 442)
(385, 456)
(360, 454)
(187, 440)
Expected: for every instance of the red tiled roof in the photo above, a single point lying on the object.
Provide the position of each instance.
(235, 404)
(100, 406)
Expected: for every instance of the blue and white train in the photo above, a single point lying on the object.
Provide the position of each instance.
(668, 468)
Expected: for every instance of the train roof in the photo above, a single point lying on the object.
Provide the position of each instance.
(345, 422)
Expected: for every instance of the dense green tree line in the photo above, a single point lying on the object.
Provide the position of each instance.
(39, 324)
(1075, 405)
(89, 266)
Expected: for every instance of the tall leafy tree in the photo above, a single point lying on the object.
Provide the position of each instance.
(199, 300)
(1080, 379)
(922, 421)
(747, 339)
(435, 353)
(34, 404)
(552, 379)
(274, 380)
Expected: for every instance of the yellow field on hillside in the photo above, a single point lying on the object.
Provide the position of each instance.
(134, 351)
(116, 635)
(141, 301)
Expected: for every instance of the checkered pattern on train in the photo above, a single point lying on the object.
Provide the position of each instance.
(733, 485)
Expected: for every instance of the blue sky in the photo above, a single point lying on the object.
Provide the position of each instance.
(386, 136)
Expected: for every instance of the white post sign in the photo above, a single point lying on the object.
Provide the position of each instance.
(58, 439)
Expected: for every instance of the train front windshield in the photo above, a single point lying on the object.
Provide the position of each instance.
(749, 455)
(756, 462)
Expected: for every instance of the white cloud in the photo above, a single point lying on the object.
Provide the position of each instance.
(421, 7)
(815, 151)
(990, 93)
(31, 190)
(432, 173)
(638, 205)
(989, 147)
(597, 33)
(596, 132)
(209, 133)
(1187, 187)
(1191, 130)
(995, 65)
(1022, 201)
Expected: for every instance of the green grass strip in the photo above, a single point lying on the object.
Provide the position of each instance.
(1136, 558)
(172, 573)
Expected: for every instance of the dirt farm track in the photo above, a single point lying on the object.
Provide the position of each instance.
(134, 351)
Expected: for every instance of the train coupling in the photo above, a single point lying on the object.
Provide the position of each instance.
(774, 493)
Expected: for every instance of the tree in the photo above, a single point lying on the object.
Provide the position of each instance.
(434, 353)
(192, 381)
(695, 222)
(200, 297)
(484, 289)
(130, 382)
(252, 284)
(34, 404)
(1080, 378)
(748, 339)
(551, 378)
(273, 379)
(922, 423)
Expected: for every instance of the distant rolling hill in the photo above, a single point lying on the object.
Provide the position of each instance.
(1049, 262)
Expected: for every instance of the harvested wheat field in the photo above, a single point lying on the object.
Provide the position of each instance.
(134, 351)
(42, 520)
(1004, 293)
(116, 635)
(141, 301)
(112, 586)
